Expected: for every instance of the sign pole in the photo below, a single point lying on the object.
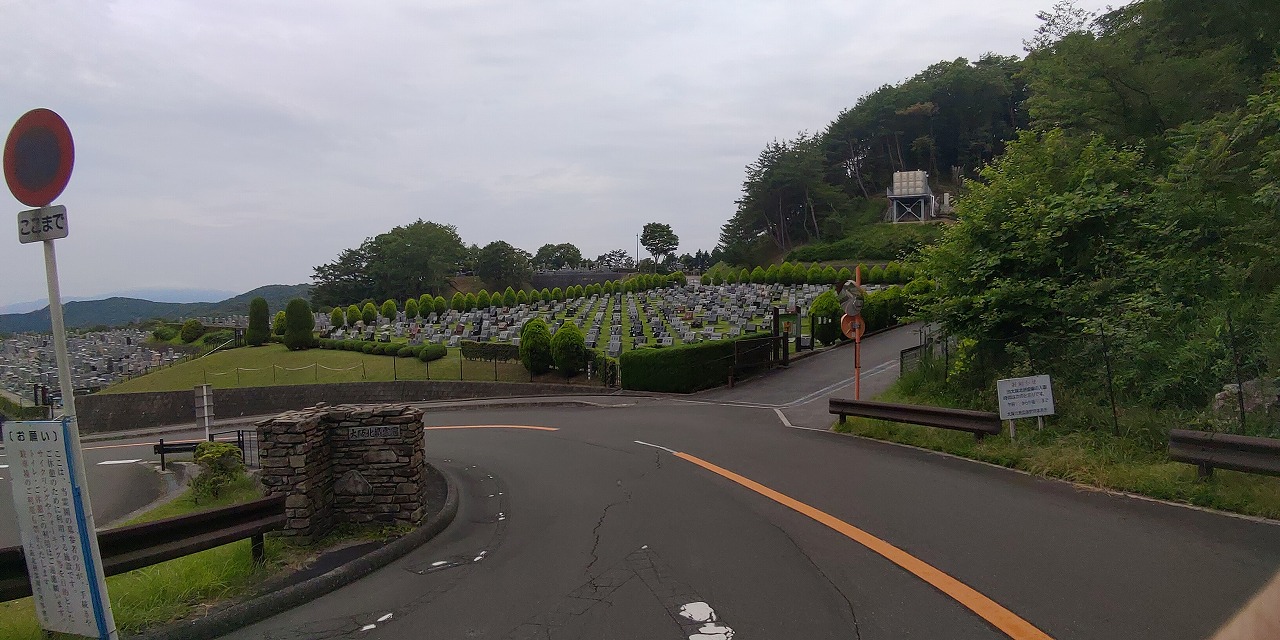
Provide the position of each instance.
(857, 342)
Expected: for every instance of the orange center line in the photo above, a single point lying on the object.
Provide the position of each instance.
(492, 426)
(1003, 619)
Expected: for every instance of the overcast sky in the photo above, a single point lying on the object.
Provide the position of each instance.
(227, 144)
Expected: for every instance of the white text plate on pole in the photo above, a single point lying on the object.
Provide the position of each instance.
(46, 501)
(1025, 397)
(45, 223)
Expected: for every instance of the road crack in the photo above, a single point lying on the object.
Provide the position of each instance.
(852, 613)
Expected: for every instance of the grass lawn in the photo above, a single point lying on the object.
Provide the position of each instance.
(1095, 458)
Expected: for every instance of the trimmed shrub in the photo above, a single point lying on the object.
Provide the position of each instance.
(411, 308)
(430, 352)
(509, 297)
(299, 324)
(771, 274)
(610, 288)
(470, 302)
(876, 276)
(220, 464)
(489, 351)
(407, 352)
(546, 295)
(388, 310)
(278, 324)
(813, 275)
(337, 318)
(260, 322)
(557, 294)
(367, 347)
(826, 312)
(522, 297)
(684, 368)
(606, 368)
(569, 350)
(483, 300)
(441, 304)
(892, 273)
(829, 275)
(705, 279)
(744, 276)
(535, 346)
(784, 273)
(191, 330)
(427, 305)
(535, 297)
(844, 275)
(353, 315)
(369, 314)
(458, 302)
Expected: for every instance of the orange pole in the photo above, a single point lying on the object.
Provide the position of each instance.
(857, 343)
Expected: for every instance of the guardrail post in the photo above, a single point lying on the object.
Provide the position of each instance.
(162, 465)
(786, 348)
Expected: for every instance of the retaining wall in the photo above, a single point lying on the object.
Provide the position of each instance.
(102, 413)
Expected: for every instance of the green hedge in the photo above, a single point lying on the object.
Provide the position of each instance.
(680, 369)
(430, 352)
(489, 351)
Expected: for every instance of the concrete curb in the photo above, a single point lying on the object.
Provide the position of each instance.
(246, 613)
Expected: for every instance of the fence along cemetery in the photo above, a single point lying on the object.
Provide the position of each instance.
(612, 322)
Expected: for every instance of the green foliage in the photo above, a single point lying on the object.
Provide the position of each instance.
(389, 310)
(535, 346)
(893, 273)
(299, 323)
(557, 294)
(876, 276)
(369, 314)
(522, 297)
(555, 256)
(470, 302)
(826, 312)
(610, 287)
(337, 318)
(220, 465)
(402, 262)
(482, 299)
(705, 279)
(260, 322)
(659, 240)
(441, 305)
(353, 315)
(680, 369)
(744, 276)
(509, 297)
(191, 330)
(876, 241)
(278, 325)
(368, 347)
(829, 275)
(164, 333)
(407, 352)
(458, 302)
(569, 350)
(844, 275)
(430, 352)
(427, 305)
(411, 309)
(490, 351)
(756, 276)
(502, 265)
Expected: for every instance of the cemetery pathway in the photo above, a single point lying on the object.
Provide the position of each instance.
(636, 521)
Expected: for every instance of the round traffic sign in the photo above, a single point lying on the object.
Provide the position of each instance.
(38, 156)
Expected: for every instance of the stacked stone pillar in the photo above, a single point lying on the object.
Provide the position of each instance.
(345, 464)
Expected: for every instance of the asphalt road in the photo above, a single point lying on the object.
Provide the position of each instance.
(592, 531)
(117, 486)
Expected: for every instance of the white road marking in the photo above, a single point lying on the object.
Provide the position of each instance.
(783, 418)
(479, 557)
(713, 632)
(654, 446)
(107, 462)
(369, 627)
(876, 370)
(4, 466)
(698, 612)
(702, 612)
(439, 562)
(386, 617)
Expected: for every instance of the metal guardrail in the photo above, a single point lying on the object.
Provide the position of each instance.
(979, 423)
(1208, 451)
(128, 548)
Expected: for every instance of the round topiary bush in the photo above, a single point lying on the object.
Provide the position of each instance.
(368, 347)
(535, 346)
(568, 349)
(299, 324)
(353, 315)
(431, 352)
(406, 352)
(826, 314)
(259, 323)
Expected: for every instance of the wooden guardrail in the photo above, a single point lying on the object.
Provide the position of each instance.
(979, 423)
(1209, 450)
(128, 548)
(166, 448)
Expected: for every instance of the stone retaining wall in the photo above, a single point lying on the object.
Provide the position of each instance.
(345, 464)
(100, 413)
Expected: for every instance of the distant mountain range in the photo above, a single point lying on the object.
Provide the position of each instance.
(117, 311)
(152, 294)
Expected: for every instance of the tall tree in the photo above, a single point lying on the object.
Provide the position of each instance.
(616, 260)
(555, 256)
(405, 261)
(659, 240)
(502, 265)
(259, 322)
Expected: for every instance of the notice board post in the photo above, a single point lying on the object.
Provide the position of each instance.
(63, 560)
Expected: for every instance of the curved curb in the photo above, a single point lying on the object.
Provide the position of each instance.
(246, 613)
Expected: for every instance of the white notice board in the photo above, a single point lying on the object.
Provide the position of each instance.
(1025, 397)
(51, 520)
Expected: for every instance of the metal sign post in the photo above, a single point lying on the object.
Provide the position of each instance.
(38, 157)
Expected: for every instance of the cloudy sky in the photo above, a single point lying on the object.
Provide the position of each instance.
(231, 144)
